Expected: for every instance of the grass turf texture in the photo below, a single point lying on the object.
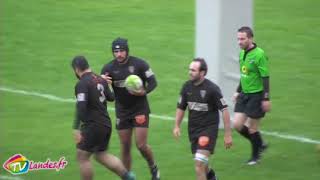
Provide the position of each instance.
(39, 38)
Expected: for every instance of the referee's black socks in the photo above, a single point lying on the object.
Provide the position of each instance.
(245, 132)
(257, 143)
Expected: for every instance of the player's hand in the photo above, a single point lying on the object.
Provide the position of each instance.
(140, 92)
(235, 97)
(176, 132)
(227, 141)
(77, 136)
(266, 105)
(107, 78)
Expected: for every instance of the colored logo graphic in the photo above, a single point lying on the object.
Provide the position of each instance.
(244, 70)
(17, 164)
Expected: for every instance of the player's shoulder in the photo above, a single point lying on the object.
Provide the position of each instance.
(137, 60)
(111, 63)
(259, 51)
(108, 66)
(187, 84)
(83, 82)
(211, 85)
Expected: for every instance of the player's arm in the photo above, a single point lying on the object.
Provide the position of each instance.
(236, 94)
(109, 93)
(223, 107)
(105, 73)
(181, 107)
(81, 108)
(179, 118)
(263, 68)
(227, 128)
(149, 77)
(81, 93)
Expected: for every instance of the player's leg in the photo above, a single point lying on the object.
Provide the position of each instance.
(125, 142)
(258, 145)
(114, 164)
(109, 161)
(240, 116)
(201, 164)
(255, 113)
(141, 124)
(83, 158)
(239, 124)
(146, 152)
(202, 147)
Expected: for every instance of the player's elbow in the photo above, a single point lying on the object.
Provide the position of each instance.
(152, 84)
(110, 98)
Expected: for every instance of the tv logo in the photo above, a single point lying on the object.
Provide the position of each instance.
(18, 164)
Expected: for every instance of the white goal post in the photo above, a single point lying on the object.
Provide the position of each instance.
(217, 22)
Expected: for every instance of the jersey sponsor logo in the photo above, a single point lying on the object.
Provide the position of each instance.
(196, 106)
(203, 93)
(251, 61)
(149, 73)
(203, 141)
(140, 119)
(81, 97)
(119, 83)
(244, 70)
(131, 69)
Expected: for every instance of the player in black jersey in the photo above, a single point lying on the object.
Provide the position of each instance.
(92, 125)
(132, 108)
(204, 100)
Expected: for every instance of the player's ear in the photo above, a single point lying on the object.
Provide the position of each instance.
(202, 73)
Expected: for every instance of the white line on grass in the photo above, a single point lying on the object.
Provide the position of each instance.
(56, 98)
(10, 178)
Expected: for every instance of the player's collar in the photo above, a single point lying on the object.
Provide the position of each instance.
(250, 49)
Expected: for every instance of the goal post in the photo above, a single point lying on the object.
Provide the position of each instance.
(217, 22)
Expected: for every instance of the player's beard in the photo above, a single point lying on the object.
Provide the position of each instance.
(195, 78)
(77, 75)
(244, 46)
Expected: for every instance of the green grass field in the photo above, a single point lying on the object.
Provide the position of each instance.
(38, 39)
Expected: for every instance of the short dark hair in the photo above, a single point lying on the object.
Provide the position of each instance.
(247, 30)
(120, 44)
(203, 64)
(80, 62)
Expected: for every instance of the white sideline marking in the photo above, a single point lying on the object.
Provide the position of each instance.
(10, 178)
(56, 98)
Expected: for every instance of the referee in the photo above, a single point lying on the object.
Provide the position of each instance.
(252, 95)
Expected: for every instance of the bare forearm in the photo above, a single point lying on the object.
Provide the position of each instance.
(179, 117)
(226, 121)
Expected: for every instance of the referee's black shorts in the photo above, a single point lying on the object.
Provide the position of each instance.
(250, 104)
(95, 138)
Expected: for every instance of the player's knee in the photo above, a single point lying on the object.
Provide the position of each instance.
(238, 125)
(142, 146)
(252, 130)
(82, 157)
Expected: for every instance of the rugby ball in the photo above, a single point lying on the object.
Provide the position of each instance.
(133, 83)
